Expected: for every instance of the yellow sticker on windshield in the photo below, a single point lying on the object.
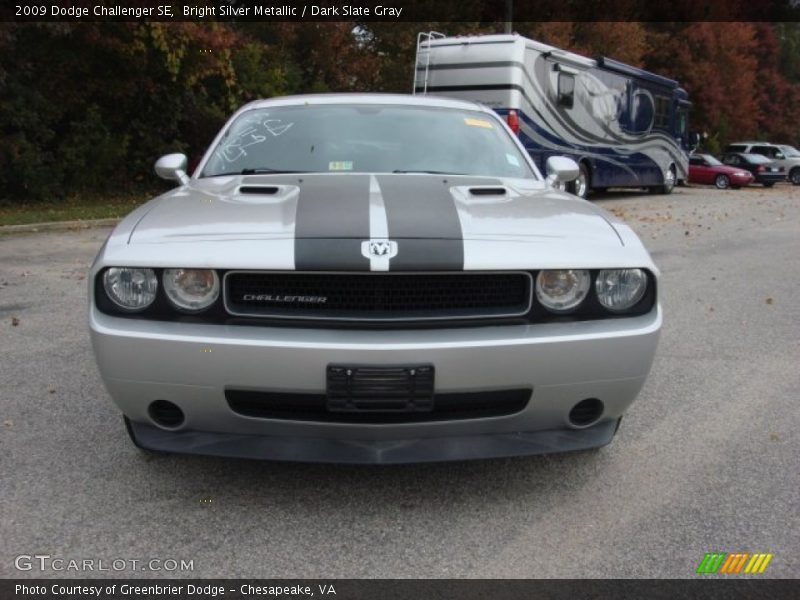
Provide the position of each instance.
(478, 123)
(340, 165)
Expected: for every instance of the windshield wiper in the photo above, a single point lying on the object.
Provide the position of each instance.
(427, 172)
(257, 172)
(268, 170)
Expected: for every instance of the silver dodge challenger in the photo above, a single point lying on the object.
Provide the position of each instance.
(371, 279)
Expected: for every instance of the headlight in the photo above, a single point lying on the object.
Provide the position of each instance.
(191, 290)
(132, 289)
(562, 290)
(742, 174)
(620, 289)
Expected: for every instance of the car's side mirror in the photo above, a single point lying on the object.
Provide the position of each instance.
(780, 155)
(173, 168)
(561, 169)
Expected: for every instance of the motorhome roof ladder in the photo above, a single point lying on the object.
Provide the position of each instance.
(423, 63)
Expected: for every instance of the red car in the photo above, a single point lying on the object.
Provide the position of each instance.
(705, 169)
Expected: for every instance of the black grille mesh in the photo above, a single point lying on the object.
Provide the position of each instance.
(314, 407)
(378, 296)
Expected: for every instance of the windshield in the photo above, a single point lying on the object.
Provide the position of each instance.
(790, 152)
(366, 139)
(712, 162)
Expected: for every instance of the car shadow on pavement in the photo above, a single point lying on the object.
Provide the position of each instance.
(340, 485)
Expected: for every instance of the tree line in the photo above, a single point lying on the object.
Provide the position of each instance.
(86, 108)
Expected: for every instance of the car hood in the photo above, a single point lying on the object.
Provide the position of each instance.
(330, 222)
(363, 206)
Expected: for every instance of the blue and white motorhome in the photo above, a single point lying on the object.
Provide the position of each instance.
(624, 126)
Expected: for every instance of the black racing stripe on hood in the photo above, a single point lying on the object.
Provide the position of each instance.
(331, 222)
(423, 219)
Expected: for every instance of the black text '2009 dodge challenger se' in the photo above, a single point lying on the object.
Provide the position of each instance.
(371, 279)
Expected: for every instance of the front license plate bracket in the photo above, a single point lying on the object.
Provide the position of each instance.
(371, 389)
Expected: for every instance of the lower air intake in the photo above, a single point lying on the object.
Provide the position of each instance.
(314, 407)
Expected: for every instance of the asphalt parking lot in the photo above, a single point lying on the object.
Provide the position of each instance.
(706, 459)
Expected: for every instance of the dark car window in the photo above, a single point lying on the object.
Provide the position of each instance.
(697, 161)
(367, 138)
(765, 150)
(731, 159)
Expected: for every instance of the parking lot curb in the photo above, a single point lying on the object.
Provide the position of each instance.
(58, 226)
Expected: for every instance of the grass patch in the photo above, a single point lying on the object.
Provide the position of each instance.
(78, 208)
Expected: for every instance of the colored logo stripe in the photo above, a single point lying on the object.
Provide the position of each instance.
(723, 562)
(734, 562)
(758, 563)
(711, 562)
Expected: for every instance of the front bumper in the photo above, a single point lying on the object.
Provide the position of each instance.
(770, 177)
(322, 450)
(192, 365)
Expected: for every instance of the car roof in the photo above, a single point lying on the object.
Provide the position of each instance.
(357, 98)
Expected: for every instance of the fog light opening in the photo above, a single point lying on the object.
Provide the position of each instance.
(586, 412)
(166, 414)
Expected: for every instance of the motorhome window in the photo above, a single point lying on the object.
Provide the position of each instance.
(662, 112)
(683, 121)
(566, 90)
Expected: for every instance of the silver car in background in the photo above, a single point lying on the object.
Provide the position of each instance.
(371, 279)
(782, 156)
